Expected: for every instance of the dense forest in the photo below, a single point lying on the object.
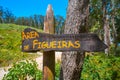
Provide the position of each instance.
(36, 21)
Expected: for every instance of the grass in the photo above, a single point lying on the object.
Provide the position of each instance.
(10, 44)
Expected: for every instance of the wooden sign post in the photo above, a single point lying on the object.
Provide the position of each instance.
(49, 57)
(49, 43)
(35, 41)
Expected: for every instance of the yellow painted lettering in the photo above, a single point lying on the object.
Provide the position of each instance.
(26, 47)
(59, 44)
(23, 36)
(44, 45)
(32, 34)
(29, 35)
(47, 45)
(64, 44)
(35, 42)
(77, 44)
(36, 35)
(70, 44)
(39, 45)
(53, 44)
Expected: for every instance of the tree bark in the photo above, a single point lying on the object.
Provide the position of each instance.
(75, 23)
(114, 33)
(106, 27)
(113, 26)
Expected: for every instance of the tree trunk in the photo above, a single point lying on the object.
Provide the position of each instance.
(107, 36)
(113, 26)
(75, 23)
(114, 33)
(106, 27)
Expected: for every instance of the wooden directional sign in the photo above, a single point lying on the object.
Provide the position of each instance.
(34, 41)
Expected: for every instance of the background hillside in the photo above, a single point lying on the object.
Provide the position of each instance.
(10, 44)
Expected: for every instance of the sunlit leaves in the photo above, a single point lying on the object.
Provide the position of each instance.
(101, 68)
(24, 70)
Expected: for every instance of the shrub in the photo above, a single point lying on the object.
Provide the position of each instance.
(57, 71)
(101, 68)
(23, 71)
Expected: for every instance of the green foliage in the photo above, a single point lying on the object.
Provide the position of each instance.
(10, 44)
(24, 70)
(28, 69)
(118, 51)
(98, 67)
(95, 27)
(101, 68)
(57, 71)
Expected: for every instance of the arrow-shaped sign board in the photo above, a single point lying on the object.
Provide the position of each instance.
(35, 41)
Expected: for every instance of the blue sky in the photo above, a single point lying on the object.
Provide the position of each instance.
(31, 7)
